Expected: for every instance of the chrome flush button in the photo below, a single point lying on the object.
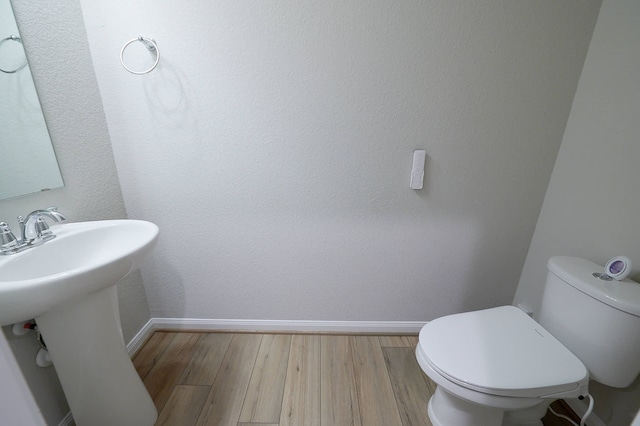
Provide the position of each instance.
(603, 277)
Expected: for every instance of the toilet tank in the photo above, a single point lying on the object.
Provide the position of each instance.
(599, 321)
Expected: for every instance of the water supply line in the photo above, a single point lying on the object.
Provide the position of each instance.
(584, 416)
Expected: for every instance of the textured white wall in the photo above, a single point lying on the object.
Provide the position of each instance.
(273, 143)
(56, 42)
(592, 204)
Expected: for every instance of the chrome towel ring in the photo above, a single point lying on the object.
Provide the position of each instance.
(151, 45)
(18, 40)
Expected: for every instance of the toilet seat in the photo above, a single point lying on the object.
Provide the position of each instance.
(503, 352)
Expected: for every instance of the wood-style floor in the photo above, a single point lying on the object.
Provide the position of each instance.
(286, 380)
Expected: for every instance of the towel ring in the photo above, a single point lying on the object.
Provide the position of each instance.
(150, 44)
(18, 40)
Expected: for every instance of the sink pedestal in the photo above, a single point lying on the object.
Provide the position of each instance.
(101, 385)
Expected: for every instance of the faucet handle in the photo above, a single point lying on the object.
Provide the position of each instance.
(42, 227)
(54, 211)
(7, 239)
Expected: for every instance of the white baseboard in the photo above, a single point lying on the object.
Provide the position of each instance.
(580, 407)
(381, 327)
(138, 340)
(67, 421)
(364, 327)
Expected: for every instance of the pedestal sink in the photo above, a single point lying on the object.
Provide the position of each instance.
(68, 286)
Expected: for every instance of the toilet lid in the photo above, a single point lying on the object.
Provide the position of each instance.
(501, 351)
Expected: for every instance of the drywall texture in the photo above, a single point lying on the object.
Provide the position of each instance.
(273, 146)
(591, 207)
(56, 43)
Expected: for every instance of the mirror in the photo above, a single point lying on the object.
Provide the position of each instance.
(27, 161)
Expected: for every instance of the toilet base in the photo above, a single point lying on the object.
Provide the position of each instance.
(531, 416)
(446, 409)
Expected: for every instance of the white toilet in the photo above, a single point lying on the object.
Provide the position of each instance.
(500, 367)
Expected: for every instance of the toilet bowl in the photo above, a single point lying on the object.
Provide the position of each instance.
(499, 367)
(496, 366)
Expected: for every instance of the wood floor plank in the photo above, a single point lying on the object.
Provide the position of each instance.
(183, 406)
(263, 402)
(394, 341)
(413, 341)
(430, 383)
(409, 387)
(224, 402)
(322, 386)
(375, 394)
(258, 424)
(152, 350)
(165, 373)
(206, 359)
(301, 400)
(338, 390)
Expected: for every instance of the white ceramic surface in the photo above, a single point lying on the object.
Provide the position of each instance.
(599, 321)
(68, 285)
(84, 258)
(488, 349)
(100, 382)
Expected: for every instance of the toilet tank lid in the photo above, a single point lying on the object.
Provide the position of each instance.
(623, 295)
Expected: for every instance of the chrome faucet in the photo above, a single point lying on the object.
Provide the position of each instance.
(34, 226)
(34, 231)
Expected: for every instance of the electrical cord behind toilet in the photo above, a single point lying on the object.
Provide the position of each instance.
(584, 417)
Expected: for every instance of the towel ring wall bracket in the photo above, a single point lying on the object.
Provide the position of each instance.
(17, 40)
(151, 46)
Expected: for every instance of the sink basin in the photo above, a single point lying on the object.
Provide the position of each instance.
(85, 257)
(68, 285)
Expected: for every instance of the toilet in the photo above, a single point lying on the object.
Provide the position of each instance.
(500, 367)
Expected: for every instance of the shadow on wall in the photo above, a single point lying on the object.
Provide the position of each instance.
(497, 264)
(172, 298)
(131, 294)
(626, 397)
(166, 96)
